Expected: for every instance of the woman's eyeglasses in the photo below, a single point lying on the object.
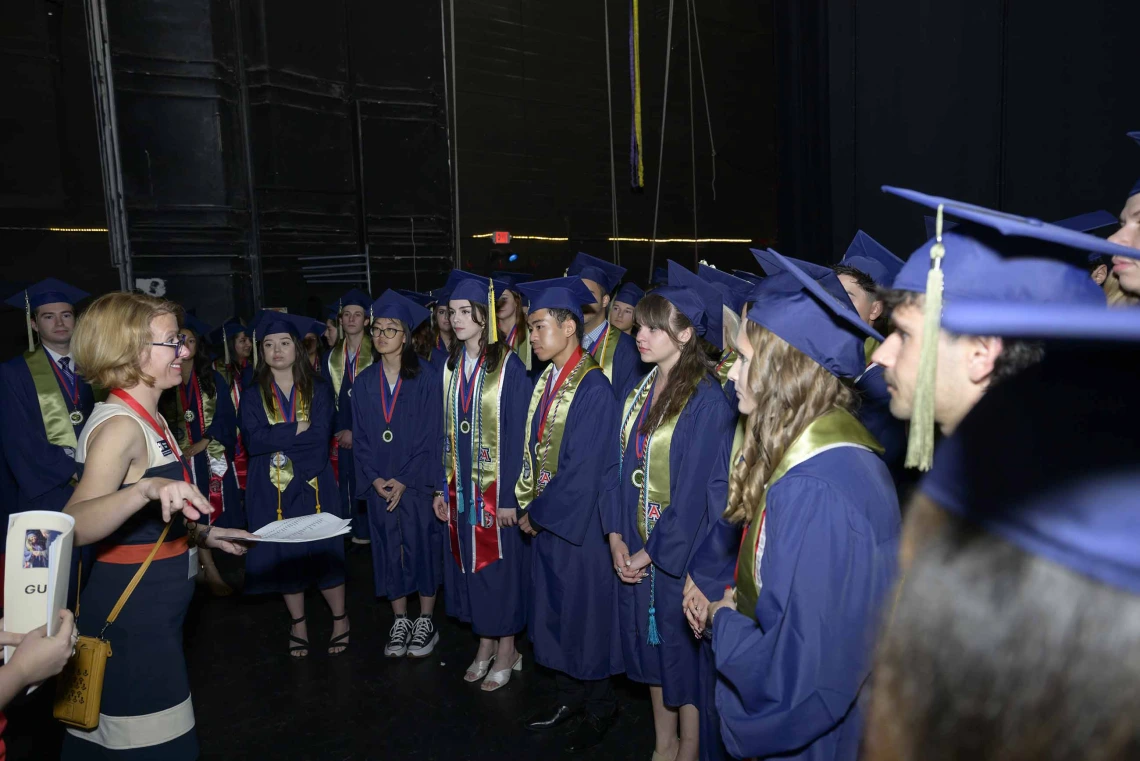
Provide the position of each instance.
(386, 332)
(176, 345)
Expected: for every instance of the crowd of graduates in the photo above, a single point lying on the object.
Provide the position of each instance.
(886, 507)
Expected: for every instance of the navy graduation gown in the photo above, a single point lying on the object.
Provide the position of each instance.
(43, 471)
(353, 507)
(571, 605)
(789, 682)
(290, 568)
(875, 414)
(222, 429)
(407, 547)
(703, 426)
(493, 599)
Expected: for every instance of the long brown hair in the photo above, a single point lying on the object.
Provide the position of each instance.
(656, 313)
(423, 338)
(303, 375)
(791, 391)
(494, 352)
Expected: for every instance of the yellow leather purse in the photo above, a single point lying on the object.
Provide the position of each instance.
(79, 689)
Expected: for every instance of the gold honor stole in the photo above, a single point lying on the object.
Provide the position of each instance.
(528, 487)
(280, 466)
(727, 360)
(485, 465)
(604, 350)
(869, 347)
(209, 409)
(337, 360)
(521, 344)
(53, 409)
(651, 477)
(837, 428)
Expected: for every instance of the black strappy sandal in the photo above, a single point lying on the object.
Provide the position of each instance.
(337, 641)
(301, 644)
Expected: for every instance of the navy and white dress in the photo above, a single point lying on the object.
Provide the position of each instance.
(146, 711)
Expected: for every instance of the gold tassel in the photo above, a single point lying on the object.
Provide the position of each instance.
(28, 314)
(492, 318)
(339, 327)
(226, 344)
(920, 446)
(255, 350)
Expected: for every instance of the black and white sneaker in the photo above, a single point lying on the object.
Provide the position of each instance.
(398, 637)
(424, 637)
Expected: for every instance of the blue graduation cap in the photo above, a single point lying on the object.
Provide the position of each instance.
(355, 297)
(711, 298)
(606, 274)
(775, 263)
(568, 293)
(48, 291)
(689, 303)
(223, 333)
(200, 328)
(423, 299)
(1011, 467)
(331, 311)
(395, 306)
(316, 328)
(733, 288)
(660, 276)
(993, 257)
(629, 293)
(270, 323)
(511, 279)
(797, 308)
(749, 276)
(872, 258)
(1087, 222)
(465, 286)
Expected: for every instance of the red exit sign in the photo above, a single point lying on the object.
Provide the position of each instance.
(501, 238)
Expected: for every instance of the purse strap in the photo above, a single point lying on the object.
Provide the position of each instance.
(134, 581)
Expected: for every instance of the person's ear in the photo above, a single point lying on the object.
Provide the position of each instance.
(982, 353)
(876, 311)
(685, 336)
(1100, 274)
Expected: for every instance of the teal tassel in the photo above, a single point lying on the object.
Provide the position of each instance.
(654, 637)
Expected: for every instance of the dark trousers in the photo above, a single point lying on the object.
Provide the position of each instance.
(595, 696)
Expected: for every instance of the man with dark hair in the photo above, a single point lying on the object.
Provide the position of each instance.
(615, 352)
(938, 383)
(565, 470)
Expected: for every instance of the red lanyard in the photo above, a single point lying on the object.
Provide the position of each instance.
(162, 431)
(72, 388)
(511, 337)
(640, 439)
(291, 415)
(549, 394)
(388, 412)
(196, 393)
(467, 386)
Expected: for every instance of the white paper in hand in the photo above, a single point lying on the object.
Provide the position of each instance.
(307, 528)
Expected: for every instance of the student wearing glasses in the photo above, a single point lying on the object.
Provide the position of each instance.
(134, 482)
(397, 419)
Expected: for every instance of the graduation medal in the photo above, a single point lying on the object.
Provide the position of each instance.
(76, 417)
(464, 427)
(188, 416)
(280, 466)
(389, 409)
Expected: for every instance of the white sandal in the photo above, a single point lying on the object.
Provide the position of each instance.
(477, 670)
(497, 679)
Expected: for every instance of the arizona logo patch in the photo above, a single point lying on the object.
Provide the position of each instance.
(653, 513)
(484, 454)
(544, 478)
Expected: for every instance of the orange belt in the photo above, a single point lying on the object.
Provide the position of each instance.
(135, 554)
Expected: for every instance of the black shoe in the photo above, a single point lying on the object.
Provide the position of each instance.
(588, 733)
(424, 638)
(550, 718)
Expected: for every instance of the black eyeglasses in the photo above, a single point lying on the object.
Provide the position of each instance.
(386, 332)
(176, 345)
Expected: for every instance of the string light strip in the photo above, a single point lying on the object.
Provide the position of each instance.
(627, 240)
(58, 229)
